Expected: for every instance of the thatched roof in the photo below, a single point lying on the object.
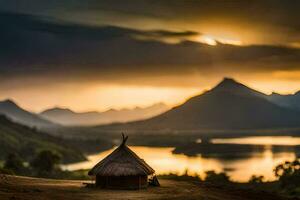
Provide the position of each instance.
(121, 162)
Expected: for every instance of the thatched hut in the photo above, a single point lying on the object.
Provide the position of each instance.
(122, 169)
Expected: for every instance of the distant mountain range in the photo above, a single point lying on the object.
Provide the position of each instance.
(228, 106)
(70, 118)
(27, 142)
(17, 114)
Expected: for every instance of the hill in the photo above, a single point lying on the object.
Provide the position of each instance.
(68, 117)
(14, 112)
(25, 141)
(290, 100)
(228, 106)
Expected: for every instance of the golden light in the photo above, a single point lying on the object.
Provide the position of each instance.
(162, 159)
(229, 41)
(207, 40)
(287, 75)
(214, 40)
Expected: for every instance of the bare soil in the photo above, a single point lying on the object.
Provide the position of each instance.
(25, 188)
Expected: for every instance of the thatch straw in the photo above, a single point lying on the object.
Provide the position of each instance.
(121, 162)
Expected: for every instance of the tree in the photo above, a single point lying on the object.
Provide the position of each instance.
(256, 179)
(289, 174)
(213, 177)
(46, 161)
(14, 163)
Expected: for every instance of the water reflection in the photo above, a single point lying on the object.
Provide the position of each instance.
(259, 140)
(163, 161)
(258, 165)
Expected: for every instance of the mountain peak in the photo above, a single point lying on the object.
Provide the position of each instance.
(14, 112)
(230, 85)
(228, 82)
(58, 110)
(9, 102)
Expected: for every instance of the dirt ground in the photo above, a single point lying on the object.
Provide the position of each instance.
(24, 188)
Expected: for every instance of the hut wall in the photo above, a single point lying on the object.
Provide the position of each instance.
(122, 182)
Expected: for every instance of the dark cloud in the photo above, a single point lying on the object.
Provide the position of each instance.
(162, 33)
(42, 46)
(272, 21)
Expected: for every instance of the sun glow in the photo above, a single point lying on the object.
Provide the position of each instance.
(229, 41)
(213, 41)
(207, 40)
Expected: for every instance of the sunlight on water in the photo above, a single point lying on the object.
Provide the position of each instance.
(163, 161)
(258, 165)
(260, 140)
(159, 158)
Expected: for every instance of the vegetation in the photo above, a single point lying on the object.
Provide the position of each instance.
(26, 142)
(216, 178)
(289, 177)
(45, 164)
(183, 177)
(256, 179)
(14, 164)
(27, 151)
(288, 183)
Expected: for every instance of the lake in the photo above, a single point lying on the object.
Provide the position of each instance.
(260, 140)
(164, 161)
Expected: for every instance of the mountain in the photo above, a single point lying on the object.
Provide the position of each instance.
(229, 85)
(26, 141)
(228, 106)
(19, 115)
(68, 117)
(291, 100)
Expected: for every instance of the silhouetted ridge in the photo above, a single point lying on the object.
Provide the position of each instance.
(287, 100)
(14, 112)
(9, 102)
(228, 106)
(58, 110)
(68, 117)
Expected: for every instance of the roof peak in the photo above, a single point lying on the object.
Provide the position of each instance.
(124, 139)
(122, 162)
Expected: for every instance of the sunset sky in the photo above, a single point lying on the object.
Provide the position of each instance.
(96, 55)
